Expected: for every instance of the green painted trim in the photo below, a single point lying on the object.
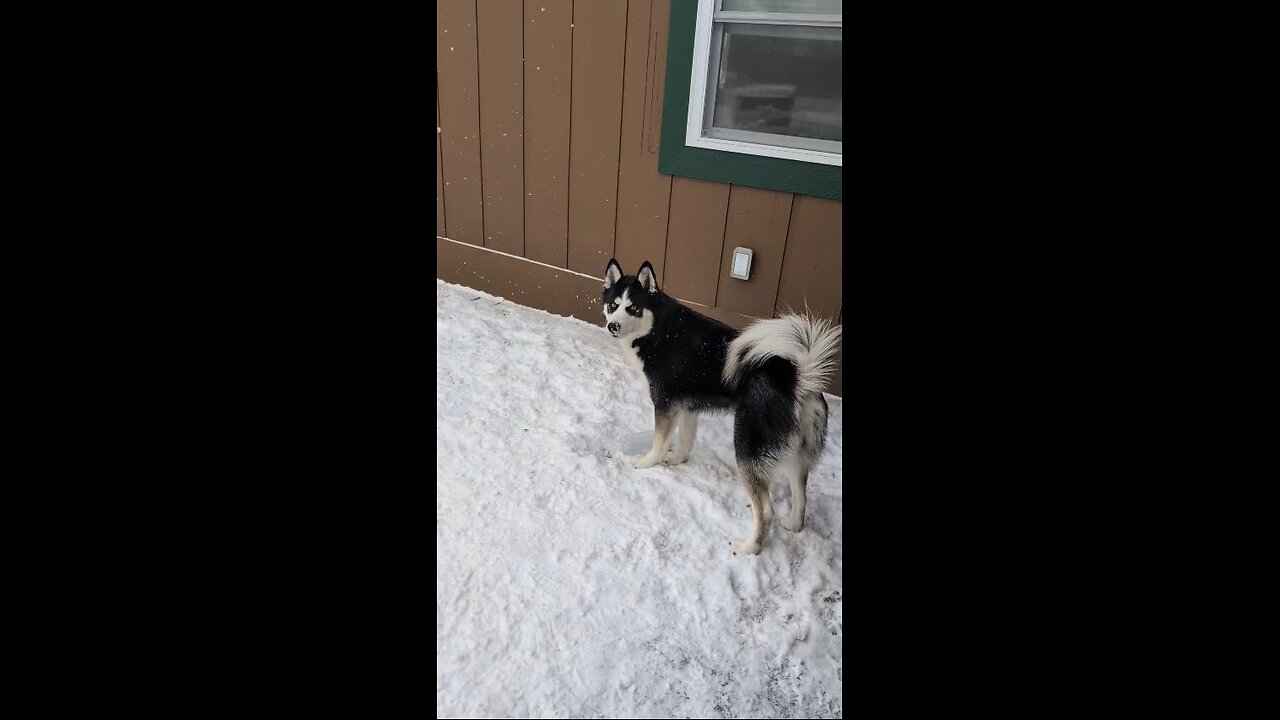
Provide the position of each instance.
(676, 158)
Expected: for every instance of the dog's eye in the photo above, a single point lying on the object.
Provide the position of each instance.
(633, 310)
(613, 306)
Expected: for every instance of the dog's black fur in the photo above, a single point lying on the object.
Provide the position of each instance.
(684, 355)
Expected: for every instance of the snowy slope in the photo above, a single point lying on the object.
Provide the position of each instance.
(569, 584)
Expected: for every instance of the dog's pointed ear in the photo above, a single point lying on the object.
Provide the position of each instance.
(612, 273)
(648, 279)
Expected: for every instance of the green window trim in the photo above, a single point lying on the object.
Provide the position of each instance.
(676, 158)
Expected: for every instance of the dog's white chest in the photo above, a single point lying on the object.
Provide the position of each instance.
(629, 352)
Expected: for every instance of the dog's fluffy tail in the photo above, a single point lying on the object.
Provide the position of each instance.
(808, 342)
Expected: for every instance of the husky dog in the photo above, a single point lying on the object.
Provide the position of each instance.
(770, 376)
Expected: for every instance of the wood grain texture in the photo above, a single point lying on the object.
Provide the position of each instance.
(520, 281)
(459, 120)
(501, 47)
(644, 194)
(599, 43)
(440, 227)
(812, 269)
(548, 78)
(695, 236)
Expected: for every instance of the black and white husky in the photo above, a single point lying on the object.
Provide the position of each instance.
(770, 376)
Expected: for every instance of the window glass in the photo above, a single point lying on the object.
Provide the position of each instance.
(824, 7)
(783, 80)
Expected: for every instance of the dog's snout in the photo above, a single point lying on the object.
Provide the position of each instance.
(614, 328)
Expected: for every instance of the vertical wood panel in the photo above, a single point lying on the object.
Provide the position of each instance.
(459, 119)
(501, 43)
(599, 43)
(440, 227)
(694, 239)
(757, 220)
(548, 77)
(643, 194)
(811, 272)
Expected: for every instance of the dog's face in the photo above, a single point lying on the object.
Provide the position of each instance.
(629, 300)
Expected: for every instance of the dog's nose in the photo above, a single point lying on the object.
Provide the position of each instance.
(614, 328)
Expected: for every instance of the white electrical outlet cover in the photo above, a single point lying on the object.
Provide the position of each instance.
(741, 263)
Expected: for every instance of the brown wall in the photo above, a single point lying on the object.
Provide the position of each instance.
(553, 159)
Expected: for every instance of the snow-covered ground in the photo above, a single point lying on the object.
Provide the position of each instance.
(569, 584)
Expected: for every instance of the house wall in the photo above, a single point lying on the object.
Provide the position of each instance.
(549, 115)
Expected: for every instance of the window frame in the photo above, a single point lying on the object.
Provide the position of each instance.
(702, 89)
(676, 157)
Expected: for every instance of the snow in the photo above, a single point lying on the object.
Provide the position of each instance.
(569, 584)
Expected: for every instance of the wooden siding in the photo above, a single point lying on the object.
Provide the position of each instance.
(549, 116)
(458, 76)
(500, 42)
(548, 56)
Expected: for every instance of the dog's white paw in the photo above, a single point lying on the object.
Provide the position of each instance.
(674, 458)
(745, 547)
(791, 523)
(644, 461)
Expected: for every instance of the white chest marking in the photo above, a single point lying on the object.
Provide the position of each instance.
(629, 352)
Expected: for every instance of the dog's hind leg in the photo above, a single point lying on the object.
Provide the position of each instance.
(756, 481)
(813, 434)
(798, 471)
(686, 432)
(663, 420)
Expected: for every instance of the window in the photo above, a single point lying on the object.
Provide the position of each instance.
(766, 79)
(753, 94)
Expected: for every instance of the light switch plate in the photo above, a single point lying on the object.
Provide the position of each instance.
(741, 263)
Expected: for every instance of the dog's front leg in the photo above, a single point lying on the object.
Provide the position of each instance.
(686, 430)
(662, 422)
